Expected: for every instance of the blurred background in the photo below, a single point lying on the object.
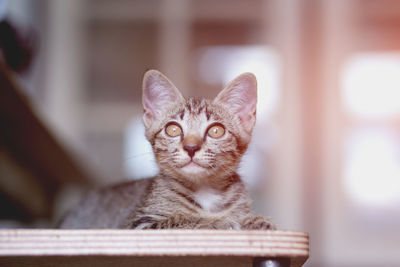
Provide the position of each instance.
(325, 155)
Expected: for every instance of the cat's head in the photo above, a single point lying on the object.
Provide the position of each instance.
(196, 138)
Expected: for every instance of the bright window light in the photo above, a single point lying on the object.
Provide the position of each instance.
(139, 161)
(372, 167)
(221, 64)
(371, 84)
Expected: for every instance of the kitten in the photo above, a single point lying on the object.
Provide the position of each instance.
(198, 144)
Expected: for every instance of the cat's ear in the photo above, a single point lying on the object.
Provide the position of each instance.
(159, 95)
(240, 97)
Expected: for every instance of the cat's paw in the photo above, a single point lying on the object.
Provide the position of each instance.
(141, 223)
(257, 223)
(218, 225)
(172, 222)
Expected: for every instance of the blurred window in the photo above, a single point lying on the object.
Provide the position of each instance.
(371, 84)
(371, 98)
(372, 167)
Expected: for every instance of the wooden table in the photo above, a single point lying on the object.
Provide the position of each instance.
(152, 248)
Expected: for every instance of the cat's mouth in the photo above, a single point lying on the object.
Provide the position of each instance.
(192, 164)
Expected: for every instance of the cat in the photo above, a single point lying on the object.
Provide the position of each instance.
(198, 144)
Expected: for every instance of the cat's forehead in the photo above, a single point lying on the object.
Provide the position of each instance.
(197, 110)
(194, 108)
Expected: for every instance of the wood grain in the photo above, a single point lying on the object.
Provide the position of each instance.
(149, 247)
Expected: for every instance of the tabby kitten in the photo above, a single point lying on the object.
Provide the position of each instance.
(198, 144)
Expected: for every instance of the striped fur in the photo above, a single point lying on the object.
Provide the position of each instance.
(209, 195)
(198, 191)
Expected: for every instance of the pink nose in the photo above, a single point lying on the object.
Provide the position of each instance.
(191, 149)
(192, 143)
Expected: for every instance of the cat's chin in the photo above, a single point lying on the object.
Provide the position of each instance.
(192, 168)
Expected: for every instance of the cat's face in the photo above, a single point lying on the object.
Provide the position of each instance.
(198, 137)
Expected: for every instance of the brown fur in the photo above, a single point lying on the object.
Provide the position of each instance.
(202, 190)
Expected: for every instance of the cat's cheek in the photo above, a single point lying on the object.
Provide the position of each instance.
(226, 159)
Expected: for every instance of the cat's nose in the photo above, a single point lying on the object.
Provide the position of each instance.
(191, 149)
(191, 144)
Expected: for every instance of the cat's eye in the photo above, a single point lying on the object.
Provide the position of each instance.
(216, 131)
(173, 130)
